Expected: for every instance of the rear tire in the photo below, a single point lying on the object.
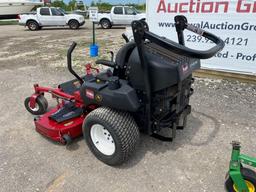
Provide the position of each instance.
(105, 24)
(111, 135)
(41, 105)
(249, 177)
(33, 26)
(73, 24)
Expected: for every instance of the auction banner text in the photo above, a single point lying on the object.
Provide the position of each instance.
(232, 20)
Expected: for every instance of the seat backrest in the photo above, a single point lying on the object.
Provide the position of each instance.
(124, 53)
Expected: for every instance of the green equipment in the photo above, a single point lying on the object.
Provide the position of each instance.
(239, 178)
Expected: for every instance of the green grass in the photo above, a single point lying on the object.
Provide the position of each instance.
(8, 22)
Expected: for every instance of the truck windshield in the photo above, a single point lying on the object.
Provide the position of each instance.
(136, 10)
(56, 12)
(62, 11)
(131, 10)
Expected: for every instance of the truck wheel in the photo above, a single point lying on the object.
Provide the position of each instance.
(40, 107)
(111, 135)
(73, 24)
(250, 180)
(105, 24)
(33, 25)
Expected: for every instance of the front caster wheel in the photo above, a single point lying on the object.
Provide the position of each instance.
(40, 106)
(111, 135)
(250, 180)
(66, 139)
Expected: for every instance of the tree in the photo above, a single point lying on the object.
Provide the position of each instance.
(59, 3)
(72, 5)
(93, 4)
(104, 6)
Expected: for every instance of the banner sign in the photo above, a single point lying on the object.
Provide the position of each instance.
(232, 20)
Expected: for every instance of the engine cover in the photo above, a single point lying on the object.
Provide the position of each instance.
(165, 67)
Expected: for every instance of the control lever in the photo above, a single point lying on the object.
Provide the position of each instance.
(112, 55)
(69, 61)
(125, 38)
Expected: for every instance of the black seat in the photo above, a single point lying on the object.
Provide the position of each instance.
(121, 57)
(123, 54)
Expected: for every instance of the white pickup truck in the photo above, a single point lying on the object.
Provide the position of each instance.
(119, 15)
(45, 17)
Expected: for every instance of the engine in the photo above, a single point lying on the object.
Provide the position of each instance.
(172, 104)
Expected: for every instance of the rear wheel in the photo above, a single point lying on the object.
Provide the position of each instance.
(111, 135)
(250, 179)
(40, 106)
(33, 25)
(105, 24)
(73, 24)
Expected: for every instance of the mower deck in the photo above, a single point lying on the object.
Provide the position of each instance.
(60, 132)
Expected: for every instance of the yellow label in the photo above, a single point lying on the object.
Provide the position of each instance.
(98, 98)
(69, 123)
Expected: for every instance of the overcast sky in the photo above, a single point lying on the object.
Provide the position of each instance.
(88, 2)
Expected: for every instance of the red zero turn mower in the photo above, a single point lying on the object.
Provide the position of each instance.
(147, 88)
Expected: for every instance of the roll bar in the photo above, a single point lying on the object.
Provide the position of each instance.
(140, 29)
(69, 59)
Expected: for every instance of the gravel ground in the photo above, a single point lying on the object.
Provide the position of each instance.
(196, 161)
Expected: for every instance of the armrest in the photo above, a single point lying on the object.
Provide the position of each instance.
(106, 63)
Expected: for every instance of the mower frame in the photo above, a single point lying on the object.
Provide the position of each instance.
(56, 93)
(237, 159)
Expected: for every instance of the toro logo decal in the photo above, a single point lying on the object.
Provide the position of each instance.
(89, 93)
(184, 68)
